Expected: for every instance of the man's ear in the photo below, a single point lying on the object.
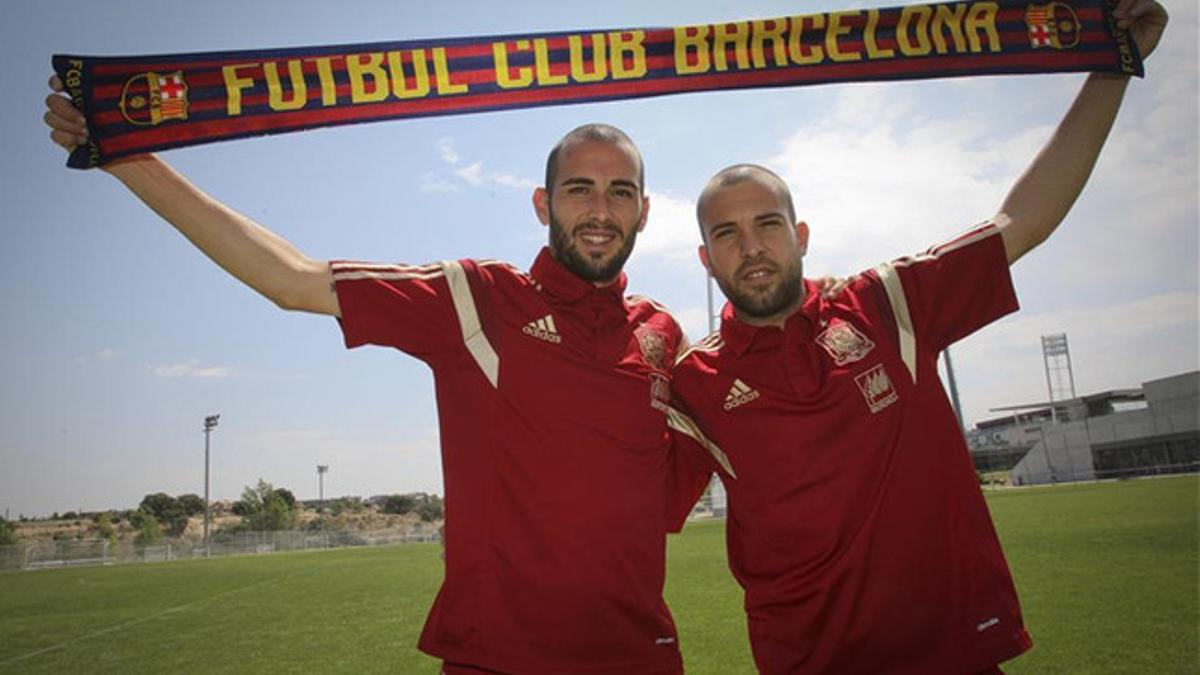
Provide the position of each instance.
(541, 205)
(645, 213)
(702, 252)
(802, 237)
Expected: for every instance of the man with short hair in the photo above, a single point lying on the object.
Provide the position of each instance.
(552, 388)
(855, 522)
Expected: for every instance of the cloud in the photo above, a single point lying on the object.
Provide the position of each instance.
(671, 232)
(473, 174)
(99, 356)
(446, 149)
(191, 368)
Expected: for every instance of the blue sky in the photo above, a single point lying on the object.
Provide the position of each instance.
(118, 337)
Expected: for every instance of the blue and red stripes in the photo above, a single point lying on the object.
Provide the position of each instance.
(248, 93)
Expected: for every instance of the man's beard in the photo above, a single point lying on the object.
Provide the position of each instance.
(784, 296)
(586, 268)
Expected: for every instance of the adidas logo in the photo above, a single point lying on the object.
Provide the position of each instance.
(739, 394)
(543, 329)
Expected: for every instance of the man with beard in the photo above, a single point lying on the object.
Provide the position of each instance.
(551, 389)
(856, 525)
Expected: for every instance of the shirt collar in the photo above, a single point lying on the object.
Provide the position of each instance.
(566, 286)
(741, 336)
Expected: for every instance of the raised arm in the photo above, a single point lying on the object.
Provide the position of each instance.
(1043, 195)
(258, 257)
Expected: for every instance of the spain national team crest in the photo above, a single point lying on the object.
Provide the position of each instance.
(150, 99)
(653, 345)
(1053, 25)
(877, 388)
(845, 343)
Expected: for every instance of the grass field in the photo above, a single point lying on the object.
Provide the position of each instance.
(1107, 575)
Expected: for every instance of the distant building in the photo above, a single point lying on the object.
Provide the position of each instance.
(1112, 434)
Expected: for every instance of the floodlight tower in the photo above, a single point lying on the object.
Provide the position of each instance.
(1060, 381)
(321, 469)
(210, 423)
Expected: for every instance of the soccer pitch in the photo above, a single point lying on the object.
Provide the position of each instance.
(1107, 574)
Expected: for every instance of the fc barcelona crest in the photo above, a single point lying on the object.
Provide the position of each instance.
(150, 99)
(1053, 25)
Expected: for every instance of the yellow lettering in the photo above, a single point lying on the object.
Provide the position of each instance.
(328, 85)
(275, 87)
(441, 70)
(921, 48)
(628, 42)
(541, 59)
(359, 70)
(873, 49)
(599, 58)
(504, 76)
(944, 18)
(400, 88)
(982, 17)
(726, 34)
(796, 40)
(774, 35)
(234, 86)
(691, 41)
(836, 30)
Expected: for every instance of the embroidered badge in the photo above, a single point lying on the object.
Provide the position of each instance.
(877, 388)
(654, 346)
(845, 343)
(1053, 25)
(150, 99)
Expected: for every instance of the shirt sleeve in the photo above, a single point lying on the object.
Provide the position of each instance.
(949, 291)
(411, 308)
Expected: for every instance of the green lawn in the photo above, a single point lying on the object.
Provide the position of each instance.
(1107, 575)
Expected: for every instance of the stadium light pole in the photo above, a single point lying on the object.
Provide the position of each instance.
(321, 469)
(210, 423)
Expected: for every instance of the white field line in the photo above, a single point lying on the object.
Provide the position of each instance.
(134, 622)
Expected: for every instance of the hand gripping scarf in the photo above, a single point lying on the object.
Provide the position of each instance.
(148, 103)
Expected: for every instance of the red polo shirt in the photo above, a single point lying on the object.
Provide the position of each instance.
(856, 524)
(551, 399)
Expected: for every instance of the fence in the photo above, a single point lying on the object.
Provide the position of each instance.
(70, 553)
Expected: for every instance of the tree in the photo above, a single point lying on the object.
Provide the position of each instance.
(430, 508)
(8, 533)
(148, 530)
(399, 504)
(166, 510)
(287, 497)
(264, 508)
(192, 504)
(105, 529)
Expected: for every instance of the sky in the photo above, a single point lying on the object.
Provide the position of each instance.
(118, 337)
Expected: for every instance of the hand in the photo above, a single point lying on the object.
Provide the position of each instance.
(831, 287)
(1145, 20)
(67, 125)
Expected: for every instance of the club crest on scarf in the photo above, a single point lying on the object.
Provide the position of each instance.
(149, 99)
(1054, 25)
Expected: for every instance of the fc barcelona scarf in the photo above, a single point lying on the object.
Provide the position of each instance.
(148, 103)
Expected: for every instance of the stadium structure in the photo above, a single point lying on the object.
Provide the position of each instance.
(1121, 433)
